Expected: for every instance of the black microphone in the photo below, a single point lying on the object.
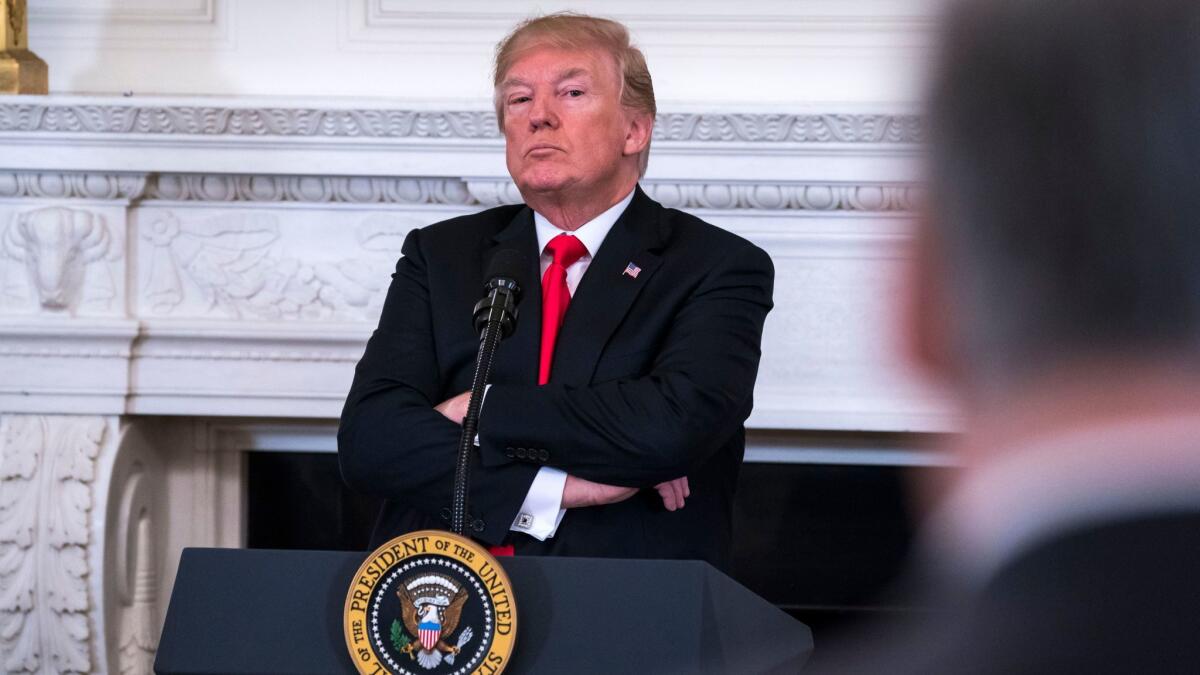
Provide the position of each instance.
(495, 318)
(502, 292)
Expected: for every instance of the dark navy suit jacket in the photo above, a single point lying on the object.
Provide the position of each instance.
(653, 378)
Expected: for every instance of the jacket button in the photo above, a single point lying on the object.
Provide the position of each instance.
(543, 455)
(477, 525)
(508, 452)
(520, 453)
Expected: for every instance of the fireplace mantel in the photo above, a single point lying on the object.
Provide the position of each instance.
(225, 257)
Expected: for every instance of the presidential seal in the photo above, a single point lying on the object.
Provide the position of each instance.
(430, 603)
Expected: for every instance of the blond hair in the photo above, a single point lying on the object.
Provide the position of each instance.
(569, 30)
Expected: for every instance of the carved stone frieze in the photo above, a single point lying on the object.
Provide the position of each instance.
(385, 232)
(469, 124)
(60, 257)
(234, 265)
(47, 469)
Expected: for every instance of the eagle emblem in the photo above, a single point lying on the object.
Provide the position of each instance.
(430, 602)
(430, 606)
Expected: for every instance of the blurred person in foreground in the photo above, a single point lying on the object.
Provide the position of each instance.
(1056, 291)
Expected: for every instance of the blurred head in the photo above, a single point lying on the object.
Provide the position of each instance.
(575, 102)
(1065, 187)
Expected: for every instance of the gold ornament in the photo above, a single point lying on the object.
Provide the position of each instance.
(21, 71)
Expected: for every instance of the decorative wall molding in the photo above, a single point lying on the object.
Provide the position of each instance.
(31, 351)
(781, 128)
(296, 356)
(755, 195)
(310, 189)
(71, 185)
(493, 192)
(785, 196)
(189, 120)
(665, 27)
(230, 121)
(47, 467)
(132, 24)
(375, 190)
(766, 16)
(158, 12)
(52, 364)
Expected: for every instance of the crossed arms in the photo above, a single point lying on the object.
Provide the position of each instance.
(612, 438)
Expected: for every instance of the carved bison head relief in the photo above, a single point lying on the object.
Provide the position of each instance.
(56, 243)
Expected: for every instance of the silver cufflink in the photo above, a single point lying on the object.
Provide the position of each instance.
(524, 521)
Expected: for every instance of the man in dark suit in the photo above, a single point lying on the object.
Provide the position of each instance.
(623, 391)
(1056, 292)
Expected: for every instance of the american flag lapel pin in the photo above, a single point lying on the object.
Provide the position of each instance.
(632, 270)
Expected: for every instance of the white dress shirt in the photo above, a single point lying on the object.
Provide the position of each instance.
(542, 512)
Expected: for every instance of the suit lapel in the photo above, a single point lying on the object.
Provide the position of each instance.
(606, 292)
(516, 358)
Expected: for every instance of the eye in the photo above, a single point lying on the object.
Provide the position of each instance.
(518, 99)
(574, 93)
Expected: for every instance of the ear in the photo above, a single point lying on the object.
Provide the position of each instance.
(639, 126)
(926, 318)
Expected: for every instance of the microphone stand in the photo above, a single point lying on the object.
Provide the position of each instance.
(495, 314)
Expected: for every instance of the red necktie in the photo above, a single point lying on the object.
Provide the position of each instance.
(567, 250)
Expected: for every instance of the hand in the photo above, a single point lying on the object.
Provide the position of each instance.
(578, 493)
(455, 409)
(673, 493)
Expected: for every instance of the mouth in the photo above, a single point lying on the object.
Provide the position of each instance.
(542, 149)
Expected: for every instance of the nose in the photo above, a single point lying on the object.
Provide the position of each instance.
(542, 114)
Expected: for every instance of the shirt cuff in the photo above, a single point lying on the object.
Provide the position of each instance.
(542, 510)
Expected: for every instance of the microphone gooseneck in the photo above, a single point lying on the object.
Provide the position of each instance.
(495, 318)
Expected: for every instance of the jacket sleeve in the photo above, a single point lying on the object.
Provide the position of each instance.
(640, 431)
(391, 441)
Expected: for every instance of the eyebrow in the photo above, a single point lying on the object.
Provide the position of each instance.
(573, 73)
(566, 75)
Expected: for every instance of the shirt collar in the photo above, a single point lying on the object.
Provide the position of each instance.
(591, 234)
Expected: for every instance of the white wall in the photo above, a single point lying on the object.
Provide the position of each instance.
(787, 54)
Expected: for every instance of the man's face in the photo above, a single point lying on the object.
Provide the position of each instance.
(564, 125)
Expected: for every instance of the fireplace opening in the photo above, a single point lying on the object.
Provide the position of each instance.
(297, 500)
(821, 541)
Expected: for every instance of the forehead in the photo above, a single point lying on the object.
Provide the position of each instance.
(550, 64)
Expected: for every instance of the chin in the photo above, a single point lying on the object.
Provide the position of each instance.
(543, 182)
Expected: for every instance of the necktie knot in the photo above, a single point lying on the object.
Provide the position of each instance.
(566, 250)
